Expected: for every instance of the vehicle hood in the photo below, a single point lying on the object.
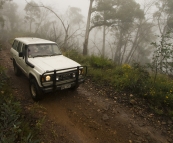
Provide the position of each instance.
(43, 64)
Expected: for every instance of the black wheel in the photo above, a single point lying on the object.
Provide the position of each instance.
(17, 71)
(35, 90)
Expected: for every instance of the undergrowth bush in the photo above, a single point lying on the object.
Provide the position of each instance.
(161, 93)
(93, 61)
(100, 62)
(133, 79)
(13, 126)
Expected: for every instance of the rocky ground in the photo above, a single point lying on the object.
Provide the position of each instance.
(92, 114)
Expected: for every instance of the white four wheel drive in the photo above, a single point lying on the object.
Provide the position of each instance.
(45, 66)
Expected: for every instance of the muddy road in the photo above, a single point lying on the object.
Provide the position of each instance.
(90, 116)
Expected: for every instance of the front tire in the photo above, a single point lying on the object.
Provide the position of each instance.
(74, 88)
(35, 90)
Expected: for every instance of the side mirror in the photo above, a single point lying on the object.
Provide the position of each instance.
(20, 54)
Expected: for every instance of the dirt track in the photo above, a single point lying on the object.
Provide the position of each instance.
(90, 116)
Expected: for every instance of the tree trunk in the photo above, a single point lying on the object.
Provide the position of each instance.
(85, 44)
(104, 38)
(66, 38)
(133, 47)
(118, 50)
(30, 26)
(124, 49)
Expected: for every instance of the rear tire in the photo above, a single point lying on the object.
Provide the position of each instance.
(17, 71)
(35, 90)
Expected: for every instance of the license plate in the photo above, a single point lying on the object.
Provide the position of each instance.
(65, 86)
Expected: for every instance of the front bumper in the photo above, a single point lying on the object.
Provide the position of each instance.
(66, 81)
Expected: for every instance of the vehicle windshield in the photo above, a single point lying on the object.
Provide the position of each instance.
(41, 50)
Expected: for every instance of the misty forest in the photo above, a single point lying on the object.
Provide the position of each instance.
(118, 30)
(127, 47)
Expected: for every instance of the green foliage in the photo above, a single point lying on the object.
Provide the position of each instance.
(162, 57)
(108, 12)
(161, 93)
(93, 61)
(14, 127)
(32, 13)
(123, 78)
(133, 79)
(100, 62)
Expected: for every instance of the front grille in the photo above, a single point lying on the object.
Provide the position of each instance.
(66, 76)
(59, 82)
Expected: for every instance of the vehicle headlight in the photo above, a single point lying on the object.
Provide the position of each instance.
(47, 78)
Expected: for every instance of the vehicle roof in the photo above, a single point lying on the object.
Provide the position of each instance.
(33, 40)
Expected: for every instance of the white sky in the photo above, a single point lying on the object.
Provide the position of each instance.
(62, 5)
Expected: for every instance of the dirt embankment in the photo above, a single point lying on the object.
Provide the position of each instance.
(90, 116)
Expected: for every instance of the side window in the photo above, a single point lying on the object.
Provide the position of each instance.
(23, 49)
(15, 43)
(19, 47)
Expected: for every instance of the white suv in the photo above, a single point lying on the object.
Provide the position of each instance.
(44, 65)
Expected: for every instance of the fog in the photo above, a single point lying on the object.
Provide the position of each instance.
(59, 5)
(125, 36)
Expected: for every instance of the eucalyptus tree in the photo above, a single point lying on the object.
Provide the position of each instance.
(74, 15)
(2, 2)
(66, 24)
(126, 30)
(164, 18)
(164, 15)
(138, 45)
(1, 17)
(170, 11)
(74, 20)
(104, 15)
(41, 20)
(32, 13)
(10, 14)
(85, 44)
(118, 15)
(163, 55)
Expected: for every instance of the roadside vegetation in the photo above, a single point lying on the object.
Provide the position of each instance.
(135, 79)
(15, 124)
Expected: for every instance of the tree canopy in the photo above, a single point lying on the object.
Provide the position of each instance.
(109, 12)
(32, 13)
